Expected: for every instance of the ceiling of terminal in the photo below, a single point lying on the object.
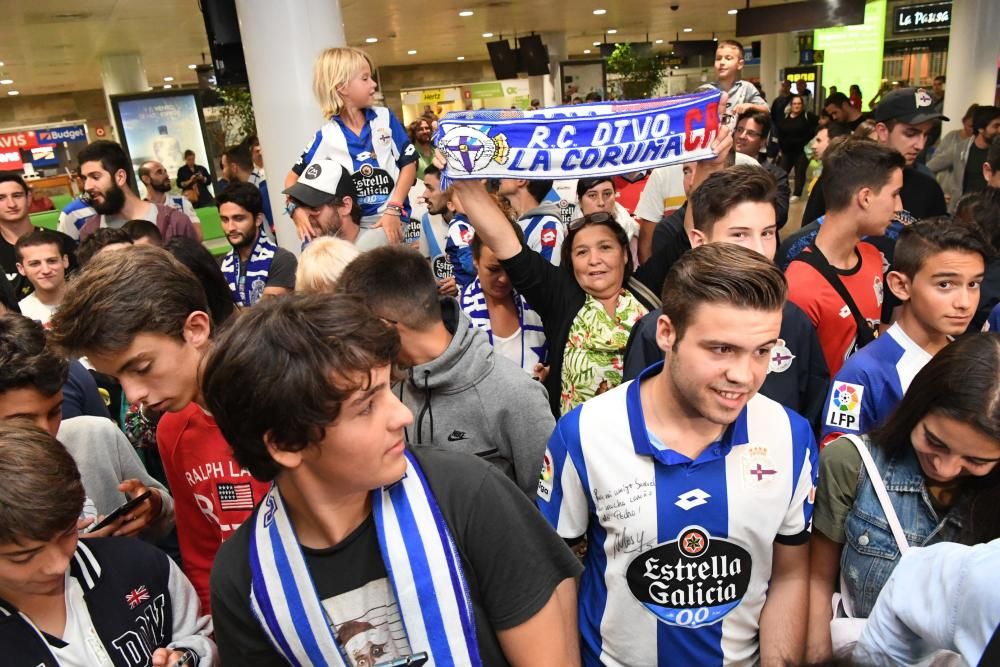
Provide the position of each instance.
(51, 46)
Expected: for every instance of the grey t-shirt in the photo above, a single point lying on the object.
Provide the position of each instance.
(369, 239)
(282, 273)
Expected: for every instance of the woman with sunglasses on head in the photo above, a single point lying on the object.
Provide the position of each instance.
(587, 310)
(936, 458)
(590, 303)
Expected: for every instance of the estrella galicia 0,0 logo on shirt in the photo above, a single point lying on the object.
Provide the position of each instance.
(692, 581)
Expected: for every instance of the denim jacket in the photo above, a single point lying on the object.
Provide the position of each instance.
(870, 552)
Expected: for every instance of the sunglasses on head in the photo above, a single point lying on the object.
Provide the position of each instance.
(590, 218)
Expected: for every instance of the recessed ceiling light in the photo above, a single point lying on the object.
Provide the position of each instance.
(13, 92)
(659, 41)
(600, 12)
(460, 58)
(733, 11)
(597, 43)
(371, 40)
(167, 86)
(168, 78)
(466, 12)
(586, 51)
(688, 29)
(6, 82)
(1, 63)
(192, 67)
(612, 31)
(411, 52)
(487, 34)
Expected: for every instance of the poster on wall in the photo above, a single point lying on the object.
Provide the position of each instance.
(160, 126)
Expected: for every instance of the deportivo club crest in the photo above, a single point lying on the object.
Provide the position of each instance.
(469, 150)
(781, 358)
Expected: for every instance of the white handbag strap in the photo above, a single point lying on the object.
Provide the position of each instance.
(883, 495)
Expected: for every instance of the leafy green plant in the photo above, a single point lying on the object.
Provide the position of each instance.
(640, 75)
(236, 114)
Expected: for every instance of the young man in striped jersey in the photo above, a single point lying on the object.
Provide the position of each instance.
(694, 492)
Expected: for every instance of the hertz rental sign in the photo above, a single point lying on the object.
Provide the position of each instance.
(918, 18)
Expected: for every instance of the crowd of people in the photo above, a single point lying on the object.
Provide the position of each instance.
(518, 422)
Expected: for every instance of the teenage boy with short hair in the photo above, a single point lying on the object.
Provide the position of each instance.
(837, 281)
(107, 174)
(15, 222)
(255, 267)
(938, 268)
(151, 333)
(41, 260)
(32, 377)
(390, 553)
(743, 95)
(692, 490)
(466, 396)
(738, 205)
(66, 601)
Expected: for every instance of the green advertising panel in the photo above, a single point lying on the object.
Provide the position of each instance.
(853, 54)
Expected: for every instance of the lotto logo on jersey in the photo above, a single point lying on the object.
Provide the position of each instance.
(844, 410)
(549, 238)
(692, 581)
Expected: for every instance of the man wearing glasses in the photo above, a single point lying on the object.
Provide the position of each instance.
(752, 129)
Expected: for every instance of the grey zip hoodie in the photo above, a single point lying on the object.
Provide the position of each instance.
(472, 400)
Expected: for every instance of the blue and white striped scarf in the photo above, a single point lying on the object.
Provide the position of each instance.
(534, 349)
(249, 291)
(420, 557)
(578, 141)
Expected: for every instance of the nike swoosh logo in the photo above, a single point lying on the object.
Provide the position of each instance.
(456, 436)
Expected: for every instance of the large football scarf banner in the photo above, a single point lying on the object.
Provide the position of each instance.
(579, 141)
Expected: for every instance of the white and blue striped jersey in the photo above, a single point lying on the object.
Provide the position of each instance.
(374, 158)
(871, 383)
(544, 231)
(679, 554)
(73, 216)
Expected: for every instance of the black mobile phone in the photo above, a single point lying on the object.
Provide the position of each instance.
(415, 660)
(119, 512)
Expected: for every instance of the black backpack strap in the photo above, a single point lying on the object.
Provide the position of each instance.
(991, 656)
(643, 293)
(815, 258)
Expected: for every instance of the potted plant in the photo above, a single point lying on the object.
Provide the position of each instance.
(640, 75)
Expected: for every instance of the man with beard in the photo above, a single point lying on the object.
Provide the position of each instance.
(15, 222)
(154, 176)
(327, 194)
(105, 169)
(255, 267)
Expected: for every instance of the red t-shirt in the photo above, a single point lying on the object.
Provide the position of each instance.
(629, 191)
(212, 493)
(834, 323)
